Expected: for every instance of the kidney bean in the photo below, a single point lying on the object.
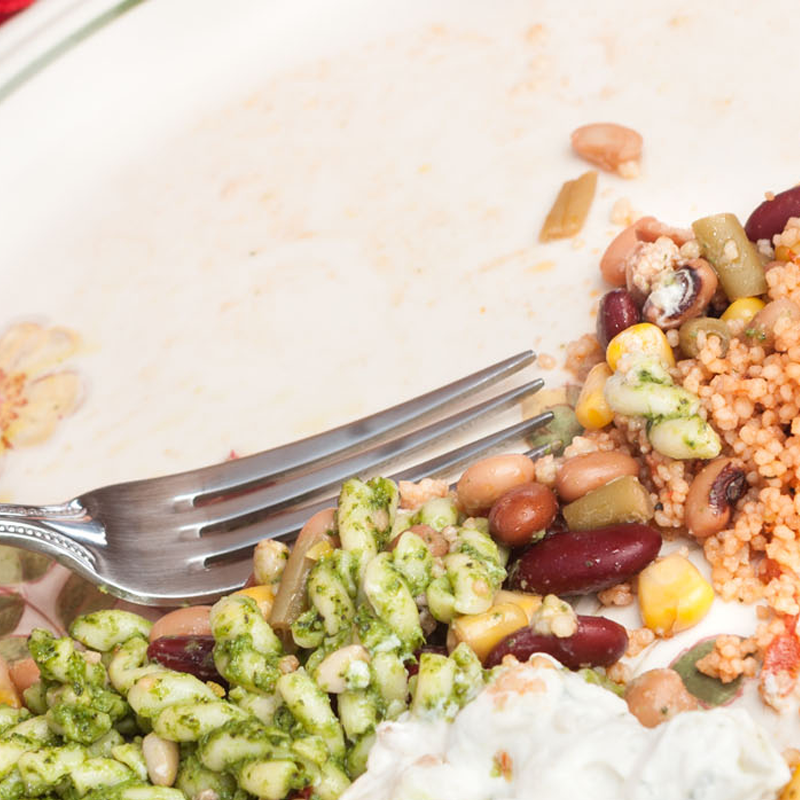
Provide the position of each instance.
(192, 654)
(616, 312)
(712, 495)
(598, 642)
(658, 695)
(581, 562)
(490, 478)
(412, 667)
(522, 512)
(584, 473)
(182, 622)
(761, 329)
(771, 216)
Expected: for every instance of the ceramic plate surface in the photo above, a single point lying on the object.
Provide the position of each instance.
(229, 225)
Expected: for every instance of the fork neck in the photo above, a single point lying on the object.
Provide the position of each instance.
(69, 519)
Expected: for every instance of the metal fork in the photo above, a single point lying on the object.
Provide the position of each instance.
(188, 537)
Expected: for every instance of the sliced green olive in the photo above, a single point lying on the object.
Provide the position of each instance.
(621, 500)
(710, 326)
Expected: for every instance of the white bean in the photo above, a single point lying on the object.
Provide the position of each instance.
(161, 757)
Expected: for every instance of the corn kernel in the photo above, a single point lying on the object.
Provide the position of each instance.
(787, 252)
(8, 692)
(743, 309)
(318, 550)
(263, 595)
(673, 595)
(592, 410)
(644, 339)
(483, 631)
(8, 697)
(792, 789)
(527, 602)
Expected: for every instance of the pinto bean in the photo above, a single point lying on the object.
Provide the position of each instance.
(761, 329)
(712, 495)
(522, 512)
(616, 312)
(434, 540)
(581, 562)
(182, 622)
(648, 229)
(24, 673)
(615, 259)
(490, 478)
(291, 600)
(582, 474)
(598, 642)
(607, 144)
(658, 695)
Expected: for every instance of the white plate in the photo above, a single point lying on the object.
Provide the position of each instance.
(267, 218)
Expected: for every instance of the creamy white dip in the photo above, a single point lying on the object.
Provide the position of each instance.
(541, 733)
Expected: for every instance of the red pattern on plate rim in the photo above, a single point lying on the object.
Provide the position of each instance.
(10, 7)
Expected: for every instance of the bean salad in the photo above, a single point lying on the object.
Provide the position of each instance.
(407, 598)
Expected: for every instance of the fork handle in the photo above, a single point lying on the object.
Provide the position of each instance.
(54, 531)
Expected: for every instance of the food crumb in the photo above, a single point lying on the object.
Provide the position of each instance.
(622, 213)
(629, 170)
(619, 673)
(791, 755)
(413, 495)
(638, 640)
(731, 657)
(619, 595)
(546, 361)
(582, 355)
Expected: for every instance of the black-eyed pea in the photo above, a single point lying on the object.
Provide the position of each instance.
(680, 295)
(712, 496)
(582, 474)
(490, 478)
(658, 695)
(161, 758)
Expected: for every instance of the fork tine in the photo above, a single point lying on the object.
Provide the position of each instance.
(286, 524)
(285, 459)
(296, 489)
